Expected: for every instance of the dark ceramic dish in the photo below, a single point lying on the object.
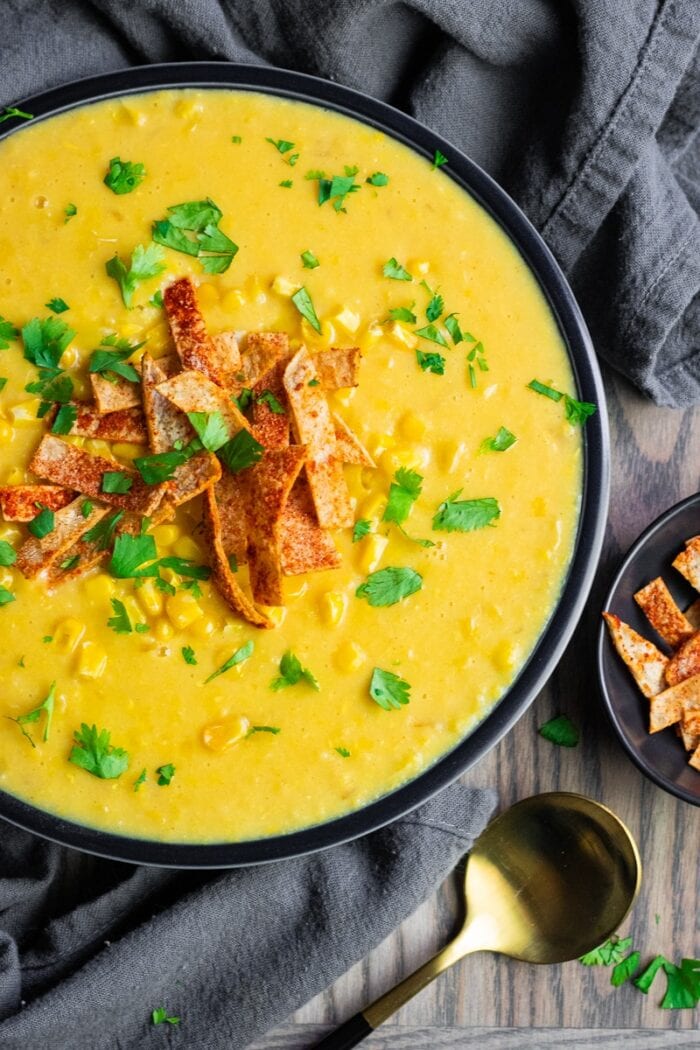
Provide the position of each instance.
(595, 471)
(662, 756)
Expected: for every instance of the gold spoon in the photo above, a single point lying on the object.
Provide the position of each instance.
(548, 880)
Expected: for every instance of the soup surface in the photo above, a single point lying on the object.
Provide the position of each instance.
(400, 248)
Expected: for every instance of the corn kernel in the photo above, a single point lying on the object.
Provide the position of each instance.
(185, 547)
(402, 335)
(342, 398)
(412, 426)
(420, 266)
(92, 660)
(132, 115)
(373, 507)
(182, 609)
(349, 657)
(163, 630)
(10, 533)
(100, 587)
(220, 736)
(16, 476)
(166, 535)
(233, 300)
(70, 357)
(255, 291)
(6, 578)
(150, 598)
(25, 412)
(415, 457)
(68, 634)
(97, 447)
(371, 549)
(207, 295)
(277, 614)
(348, 319)
(450, 454)
(7, 435)
(127, 450)
(379, 443)
(188, 108)
(283, 286)
(332, 606)
(505, 656)
(371, 334)
(203, 628)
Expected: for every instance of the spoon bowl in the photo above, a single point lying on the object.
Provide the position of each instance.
(547, 881)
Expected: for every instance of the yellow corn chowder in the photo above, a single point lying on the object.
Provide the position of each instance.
(140, 702)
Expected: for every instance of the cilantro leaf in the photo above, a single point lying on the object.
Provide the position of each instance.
(337, 188)
(200, 219)
(292, 672)
(116, 481)
(395, 270)
(45, 707)
(609, 953)
(309, 260)
(42, 524)
(403, 493)
(160, 466)
(130, 555)
(160, 1016)
(65, 419)
(433, 334)
(561, 731)
(431, 362)
(185, 567)
(123, 176)
(439, 159)
(218, 248)
(388, 690)
(435, 307)
(378, 179)
(390, 585)
(195, 215)
(263, 729)
(244, 653)
(402, 313)
(281, 145)
(6, 596)
(12, 111)
(241, 451)
(343, 752)
(303, 303)
(144, 263)
(211, 429)
(646, 977)
(269, 399)
(546, 391)
(110, 359)
(141, 779)
(165, 774)
(69, 211)
(455, 515)
(57, 306)
(682, 985)
(101, 534)
(93, 752)
(500, 443)
(625, 969)
(577, 412)
(7, 333)
(8, 555)
(120, 622)
(45, 341)
(52, 385)
(244, 399)
(361, 528)
(188, 655)
(286, 184)
(452, 325)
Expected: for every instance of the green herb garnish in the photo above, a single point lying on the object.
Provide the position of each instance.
(281, 145)
(8, 332)
(45, 341)
(241, 451)
(188, 655)
(12, 111)
(130, 555)
(141, 779)
(402, 313)
(303, 303)
(500, 443)
(69, 211)
(388, 690)
(561, 731)
(45, 707)
(403, 493)
(439, 159)
(211, 429)
(286, 184)
(8, 555)
(160, 1016)
(452, 325)
(116, 481)
(577, 412)
(608, 954)
(144, 263)
(244, 653)
(395, 270)
(57, 306)
(110, 360)
(292, 672)
(361, 528)
(42, 524)
(263, 729)
(269, 399)
(165, 774)
(309, 260)
(431, 362)
(120, 622)
(65, 419)
(455, 515)
(193, 228)
(6, 596)
(432, 334)
(93, 752)
(342, 751)
(389, 586)
(123, 176)
(435, 307)
(378, 179)
(102, 533)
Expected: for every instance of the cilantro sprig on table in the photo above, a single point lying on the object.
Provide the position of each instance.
(561, 731)
(682, 981)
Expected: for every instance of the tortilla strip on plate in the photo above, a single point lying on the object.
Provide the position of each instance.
(270, 428)
(126, 424)
(262, 351)
(270, 481)
(694, 759)
(338, 367)
(667, 707)
(194, 392)
(313, 427)
(65, 464)
(685, 662)
(692, 614)
(166, 424)
(688, 562)
(663, 614)
(306, 547)
(350, 448)
(230, 500)
(36, 555)
(195, 348)
(222, 576)
(646, 663)
(19, 502)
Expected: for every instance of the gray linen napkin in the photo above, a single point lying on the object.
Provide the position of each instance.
(96, 945)
(586, 111)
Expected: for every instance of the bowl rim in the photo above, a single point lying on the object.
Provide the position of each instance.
(564, 617)
(603, 648)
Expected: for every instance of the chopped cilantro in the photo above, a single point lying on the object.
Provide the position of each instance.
(45, 707)
(577, 412)
(12, 111)
(342, 751)
(165, 774)
(303, 303)
(211, 429)
(141, 779)
(6, 596)
(218, 248)
(52, 385)
(395, 270)
(120, 622)
(101, 534)
(244, 399)
(233, 563)
(402, 313)
(378, 179)
(93, 752)
(335, 189)
(130, 555)
(160, 466)
(207, 242)
(3, 382)
(466, 515)
(263, 729)
(144, 263)
(625, 969)
(244, 653)
(682, 985)
(452, 325)
(57, 306)
(608, 954)
(157, 300)
(431, 362)
(241, 451)
(314, 382)
(110, 360)
(439, 159)
(561, 731)
(141, 628)
(292, 672)
(390, 585)
(269, 399)
(160, 1016)
(45, 341)
(403, 493)
(500, 443)
(361, 528)
(646, 978)
(116, 481)
(188, 655)
(236, 139)
(388, 690)
(7, 332)
(8, 555)
(432, 334)
(546, 391)
(281, 145)
(435, 307)
(286, 184)
(65, 419)
(309, 260)
(123, 176)
(42, 524)
(69, 211)
(185, 567)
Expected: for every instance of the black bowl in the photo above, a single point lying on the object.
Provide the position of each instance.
(595, 478)
(660, 756)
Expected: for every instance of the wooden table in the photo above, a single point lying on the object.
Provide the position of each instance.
(493, 1002)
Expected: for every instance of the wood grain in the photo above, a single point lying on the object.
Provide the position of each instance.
(491, 1000)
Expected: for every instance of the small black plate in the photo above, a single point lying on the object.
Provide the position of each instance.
(660, 756)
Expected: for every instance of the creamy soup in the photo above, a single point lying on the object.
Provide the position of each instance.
(396, 260)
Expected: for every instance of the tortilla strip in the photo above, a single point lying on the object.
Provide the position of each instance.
(226, 347)
(313, 427)
(231, 499)
(668, 706)
(166, 424)
(270, 482)
(694, 759)
(126, 424)
(262, 351)
(350, 448)
(690, 727)
(688, 562)
(646, 663)
(221, 571)
(65, 464)
(36, 555)
(338, 367)
(306, 547)
(191, 478)
(685, 662)
(114, 397)
(270, 428)
(663, 614)
(195, 348)
(692, 614)
(19, 502)
(193, 392)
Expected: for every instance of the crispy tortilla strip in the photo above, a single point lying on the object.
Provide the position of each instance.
(646, 663)
(194, 392)
(338, 367)
(663, 614)
(35, 556)
(65, 464)
(313, 427)
(350, 448)
(191, 478)
(114, 397)
(262, 351)
(690, 727)
(685, 662)
(270, 428)
(19, 502)
(166, 424)
(195, 348)
(688, 562)
(692, 614)
(226, 347)
(222, 576)
(230, 497)
(694, 759)
(270, 481)
(306, 547)
(667, 707)
(126, 424)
